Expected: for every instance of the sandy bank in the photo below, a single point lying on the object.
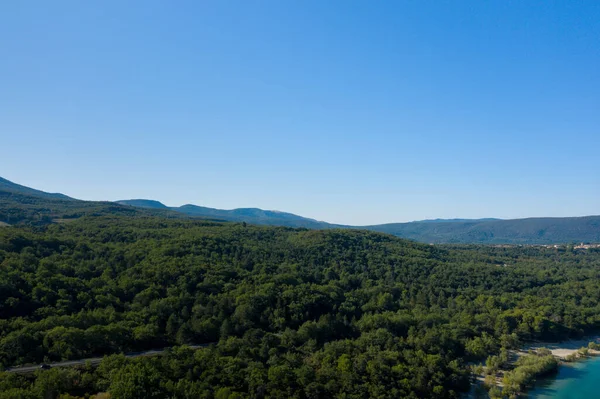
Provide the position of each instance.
(563, 349)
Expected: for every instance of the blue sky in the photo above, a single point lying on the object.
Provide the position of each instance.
(347, 111)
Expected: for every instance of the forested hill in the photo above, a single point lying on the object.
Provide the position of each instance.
(10, 187)
(516, 231)
(475, 231)
(19, 204)
(248, 215)
(144, 203)
(294, 313)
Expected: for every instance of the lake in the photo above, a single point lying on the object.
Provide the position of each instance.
(572, 381)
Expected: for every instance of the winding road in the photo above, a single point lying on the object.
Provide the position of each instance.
(95, 360)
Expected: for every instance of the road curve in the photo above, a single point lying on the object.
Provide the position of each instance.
(96, 360)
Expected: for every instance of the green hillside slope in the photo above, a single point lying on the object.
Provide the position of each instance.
(291, 313)
(517, 231)
(254, 216)
(10, 187)
(143, 203)
(22, 204)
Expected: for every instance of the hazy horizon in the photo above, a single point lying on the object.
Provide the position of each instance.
(346, 112)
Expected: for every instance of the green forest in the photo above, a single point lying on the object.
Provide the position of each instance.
(288, 313)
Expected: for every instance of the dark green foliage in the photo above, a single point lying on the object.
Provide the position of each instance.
(22, 209)
(295, 313)
(526, 370)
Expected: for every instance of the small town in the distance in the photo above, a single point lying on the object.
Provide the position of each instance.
(134, 299)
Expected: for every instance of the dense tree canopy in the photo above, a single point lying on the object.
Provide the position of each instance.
(292, 313)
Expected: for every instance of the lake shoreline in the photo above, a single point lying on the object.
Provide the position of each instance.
(566, 352)
(562, 350)
(572, 380)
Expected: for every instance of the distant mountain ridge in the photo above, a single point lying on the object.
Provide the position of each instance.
(454, 220)
(497, 231)
(20, 204)
(8, 186)
(463, 231)
(144, 203)
(24, 205)
(248, 215)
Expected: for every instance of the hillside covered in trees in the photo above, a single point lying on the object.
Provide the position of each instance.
(516, 231)
(24, 205)
(290, 313)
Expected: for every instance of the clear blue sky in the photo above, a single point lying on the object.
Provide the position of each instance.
(347, 111)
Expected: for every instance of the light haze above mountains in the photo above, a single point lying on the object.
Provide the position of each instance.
(347, 112)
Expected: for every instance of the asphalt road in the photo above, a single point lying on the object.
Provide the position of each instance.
(94, 360)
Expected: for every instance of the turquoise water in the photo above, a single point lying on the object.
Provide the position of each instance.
(572, 381)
